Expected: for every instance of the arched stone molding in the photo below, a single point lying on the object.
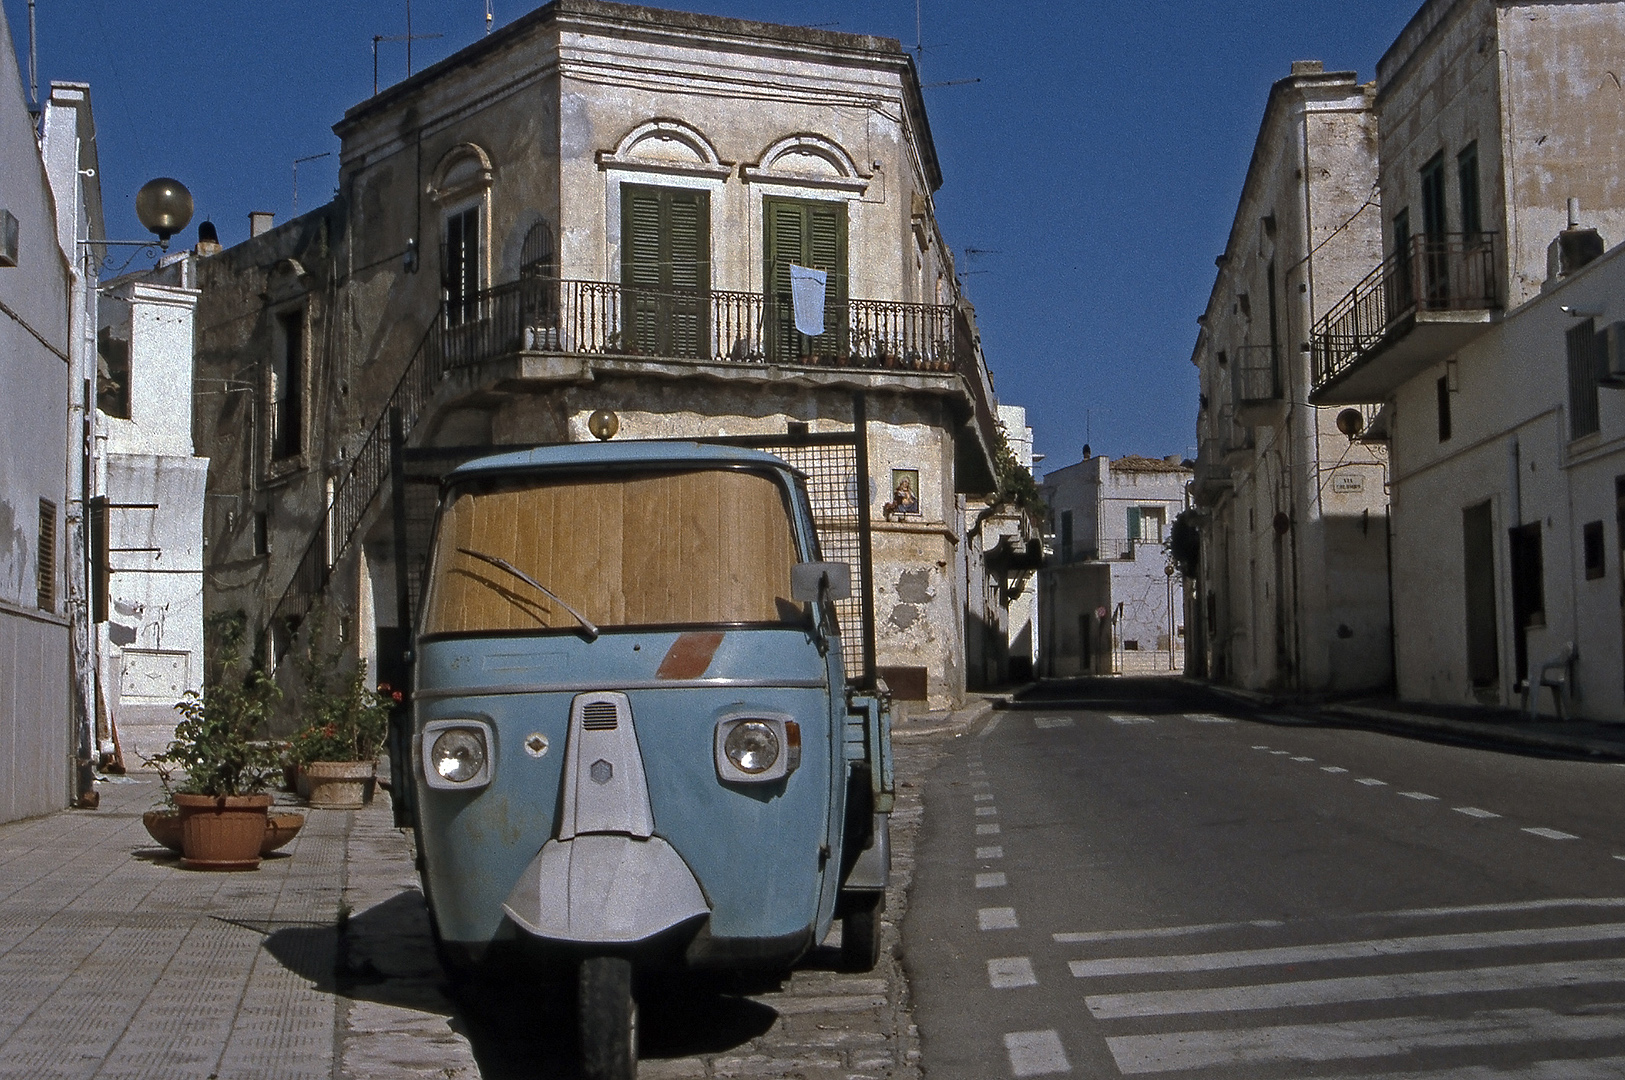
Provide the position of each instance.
(808, 160)
(664, 145)
(463, 173)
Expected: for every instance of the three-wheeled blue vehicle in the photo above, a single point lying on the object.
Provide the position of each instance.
(633, 740)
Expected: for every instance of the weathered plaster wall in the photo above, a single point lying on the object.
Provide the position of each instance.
(34, 686)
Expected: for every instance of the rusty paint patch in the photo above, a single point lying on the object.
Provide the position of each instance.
(690, 655)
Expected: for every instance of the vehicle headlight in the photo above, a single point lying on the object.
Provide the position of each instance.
(757, 749)
(752, 747)
(456, 754)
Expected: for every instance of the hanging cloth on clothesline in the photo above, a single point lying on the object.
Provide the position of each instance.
(807, 288)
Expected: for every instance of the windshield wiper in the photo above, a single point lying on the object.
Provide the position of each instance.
(586, 624)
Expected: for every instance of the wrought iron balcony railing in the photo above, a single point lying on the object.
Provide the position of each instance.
(604, 318)
(1447, 272)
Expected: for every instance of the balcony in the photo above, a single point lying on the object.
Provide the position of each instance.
(1256, 385)
(1235, 442)
(1420, 306)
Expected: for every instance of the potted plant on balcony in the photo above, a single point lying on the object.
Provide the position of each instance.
(344, 724)
(219, 746)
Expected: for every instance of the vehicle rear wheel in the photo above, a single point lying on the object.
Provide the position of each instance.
(860, 931)
(608, 1019)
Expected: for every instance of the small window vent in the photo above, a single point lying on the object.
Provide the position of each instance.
(600, 716)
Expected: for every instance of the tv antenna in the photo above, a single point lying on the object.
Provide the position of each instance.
(919, 53)
(296, 164)
(489, 16)
(408, 38)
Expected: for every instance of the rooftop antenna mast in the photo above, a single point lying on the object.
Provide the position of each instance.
(489, 16)
(33, 59)
(296, 164)
(376, 38)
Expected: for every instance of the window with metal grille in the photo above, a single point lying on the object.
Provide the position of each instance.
(288, 386)
(1585, 357)
(47, 555)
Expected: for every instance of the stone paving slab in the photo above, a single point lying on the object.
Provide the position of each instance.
(117, 963)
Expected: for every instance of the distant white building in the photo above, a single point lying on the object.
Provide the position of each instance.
(147, 514)
(1108, 587)
(1001, 553)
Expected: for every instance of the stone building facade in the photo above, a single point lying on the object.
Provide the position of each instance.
(1292, 588)
(1108, 588)
(596, 208)
(1484, 334)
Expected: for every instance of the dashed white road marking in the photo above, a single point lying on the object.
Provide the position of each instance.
(1369, 782)
(1204, 718)
(1333, 769)
(996, 918)
(991, 879)
(980, 783)
(1036, 1053)
(1124, 718)
(1303, 759)
(994, 852)
(1044, 723)
(1184, 1050)
(1279, 753)
(987, 811)
(1159, 931)
(989, 829)
(1347, 950)
(1358, 988)
(1420, 796)
(1260, 748)
(1552, 834)
(1010, 972)
(984, 798)
(1473, 811)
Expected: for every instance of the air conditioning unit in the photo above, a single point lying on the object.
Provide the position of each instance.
(1613, 355)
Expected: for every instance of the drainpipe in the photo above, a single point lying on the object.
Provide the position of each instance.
(1514, 480)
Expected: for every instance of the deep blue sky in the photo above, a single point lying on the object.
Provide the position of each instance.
(1098, 160)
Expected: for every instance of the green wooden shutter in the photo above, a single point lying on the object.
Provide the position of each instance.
(810, 234)
(1134, 523)
(665, 270)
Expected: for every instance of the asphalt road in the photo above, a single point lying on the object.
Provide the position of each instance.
(1125, 879)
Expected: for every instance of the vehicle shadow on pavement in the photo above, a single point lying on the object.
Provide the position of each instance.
(519, 1025)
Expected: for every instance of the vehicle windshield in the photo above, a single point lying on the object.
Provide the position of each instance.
(645, 549)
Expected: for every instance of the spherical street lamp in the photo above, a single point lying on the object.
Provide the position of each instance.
(164, 206)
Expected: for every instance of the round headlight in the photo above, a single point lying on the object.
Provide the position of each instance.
(752, 746)
(458, 755)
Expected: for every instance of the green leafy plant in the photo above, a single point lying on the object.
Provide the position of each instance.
(342, 718)
(220, 742)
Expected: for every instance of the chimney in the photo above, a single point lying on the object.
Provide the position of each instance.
(208, 239)
(1576, 246)
(259, 221)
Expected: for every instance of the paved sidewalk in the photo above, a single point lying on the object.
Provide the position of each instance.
(1481, 725)
(115, 962)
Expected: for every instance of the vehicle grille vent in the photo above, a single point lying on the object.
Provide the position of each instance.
(600, 716)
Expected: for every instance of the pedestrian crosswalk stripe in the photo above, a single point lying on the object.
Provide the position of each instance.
(997, 918)
(1420, 796)
(1176, 1051)
(1553, 834)
(1203, 718)
(1348, 950)
(1036, 1053)
(1595, 1069)
(1356, 988)
(1121, 718)
(993, 879)
(1010, 972)
(1044, 723)
(1159, 931)
(1473, 811)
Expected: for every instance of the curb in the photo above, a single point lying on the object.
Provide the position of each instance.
(1519, 738)
(956, 721)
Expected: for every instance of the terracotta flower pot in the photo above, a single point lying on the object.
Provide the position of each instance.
(339, 785)
(222, 832)
(165, 827)
(279, 830)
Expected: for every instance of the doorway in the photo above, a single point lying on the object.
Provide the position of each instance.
(1478, 567)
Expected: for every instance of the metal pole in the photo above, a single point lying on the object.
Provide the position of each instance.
(33, 59)
(408, 39)
(866, 558)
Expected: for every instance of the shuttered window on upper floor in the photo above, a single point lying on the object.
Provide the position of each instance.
(1585, 354)
(809, 233)
(666, 270)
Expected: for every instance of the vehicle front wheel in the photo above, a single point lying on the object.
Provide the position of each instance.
(860, 931)
(608, 1019)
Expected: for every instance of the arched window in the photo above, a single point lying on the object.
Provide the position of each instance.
(462, 186)
(539, 276)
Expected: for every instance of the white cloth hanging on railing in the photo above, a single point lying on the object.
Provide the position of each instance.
(807, 289)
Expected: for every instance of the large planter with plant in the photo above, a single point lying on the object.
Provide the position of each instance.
(344, 726)
(222, 832)
(219, 746)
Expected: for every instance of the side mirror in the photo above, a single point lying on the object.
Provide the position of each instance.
(815, 582)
